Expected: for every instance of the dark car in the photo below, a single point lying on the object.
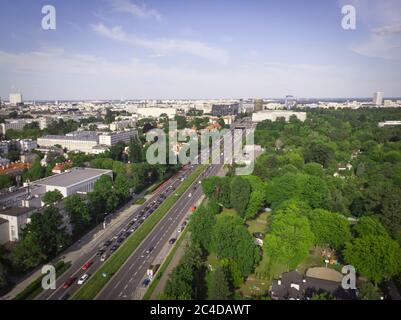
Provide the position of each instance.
(69, 282)
(149, 250)
(65, 297)
(146, 282)
(107, 243)
(114, 248)
(172, 240)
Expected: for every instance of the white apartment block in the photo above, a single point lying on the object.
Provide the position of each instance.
(71, 143)
(274, 115)
(110, 139)
(156, 112)
(15, 98)
(122, 124)
(17, 125)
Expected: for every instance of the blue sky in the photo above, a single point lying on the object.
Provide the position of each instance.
(128, 49)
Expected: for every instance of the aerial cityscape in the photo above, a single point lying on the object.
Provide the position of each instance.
(200, 150)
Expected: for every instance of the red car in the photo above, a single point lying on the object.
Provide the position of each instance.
(87, 265)
(69, 282)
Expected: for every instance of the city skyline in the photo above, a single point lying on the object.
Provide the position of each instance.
(121, 49)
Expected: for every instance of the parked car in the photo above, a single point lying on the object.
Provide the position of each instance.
(172, 240)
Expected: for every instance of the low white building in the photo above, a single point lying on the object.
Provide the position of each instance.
(156, 112)
(76, 180)
(274, 115)
(72, 143)
(13, 220)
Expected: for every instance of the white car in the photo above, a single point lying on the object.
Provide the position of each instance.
(83, 279)
(190, 195)
(103, 258)
(179, 230)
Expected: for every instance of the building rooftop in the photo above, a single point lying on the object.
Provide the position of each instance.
(3, 221)
(16, 211)
(70, 178)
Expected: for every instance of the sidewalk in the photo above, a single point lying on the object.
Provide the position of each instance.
(81, 247)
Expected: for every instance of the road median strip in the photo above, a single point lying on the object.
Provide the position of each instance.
(101, 277)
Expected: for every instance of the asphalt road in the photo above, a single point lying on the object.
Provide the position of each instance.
(127, 283)
(119, 232)
(131, 275)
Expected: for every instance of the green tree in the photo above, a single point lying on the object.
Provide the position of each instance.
(329, 228)
(369, 225)
(376, 257)
(290, 238)
(78, 212)
(231, 240)
(122, 187)
(135, 151)
(42, 239)
(202, 221)
(210, 186)
(219, 288)
(367, 291)
(225, 192)
(240, 194)
(51, 197)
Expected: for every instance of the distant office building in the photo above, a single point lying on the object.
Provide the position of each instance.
(225, 109)
(290, 102)
(378, 98)
(72, 143)
(274, 115)
(258, 105)
(45, 122)
(246, 106)
(15, 99)
(122, 124)
(17, 125)
(156, 112)
(110, 139)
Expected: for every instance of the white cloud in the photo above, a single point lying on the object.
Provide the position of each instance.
(164, 46)
(382, 20)
(136, 10)
(388, 30)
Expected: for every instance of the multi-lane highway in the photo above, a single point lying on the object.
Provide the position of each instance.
(130, 277)
(126, 283)
(107, 243)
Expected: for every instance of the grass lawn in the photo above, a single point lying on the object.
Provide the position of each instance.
(95, 284)
(259, 224)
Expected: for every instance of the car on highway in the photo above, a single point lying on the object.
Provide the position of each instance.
(145, 282)
(132, 230)
(172, 240)
(69, 282)
(179, 229)
(87, 265)
(65, 296)
(190, 195)
(83, 279)
(107, 243)
(103, 257)
(114, 248)
(149, 250)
